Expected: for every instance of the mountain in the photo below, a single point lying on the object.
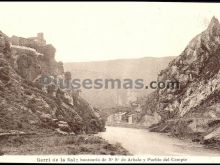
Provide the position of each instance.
(146, 68)
(192, 110)
(29, 106)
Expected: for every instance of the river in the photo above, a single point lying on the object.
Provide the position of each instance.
(143, 142)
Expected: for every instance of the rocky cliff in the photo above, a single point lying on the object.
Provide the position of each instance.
(24, 105)
(193, 109)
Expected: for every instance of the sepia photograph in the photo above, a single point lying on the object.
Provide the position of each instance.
(109, 82)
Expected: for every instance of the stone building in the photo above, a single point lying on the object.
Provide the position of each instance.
(38, 40)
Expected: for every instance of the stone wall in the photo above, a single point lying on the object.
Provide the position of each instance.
(32, 58)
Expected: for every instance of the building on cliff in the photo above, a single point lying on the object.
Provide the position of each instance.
(39, 40)
(34, 56)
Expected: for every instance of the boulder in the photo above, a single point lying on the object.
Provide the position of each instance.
(64, 126)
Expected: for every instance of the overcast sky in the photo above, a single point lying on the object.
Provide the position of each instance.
(109, 30)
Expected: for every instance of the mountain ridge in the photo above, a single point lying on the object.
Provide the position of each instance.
(193, 109)
(145, 68)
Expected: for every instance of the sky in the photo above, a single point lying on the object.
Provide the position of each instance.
(96, 31)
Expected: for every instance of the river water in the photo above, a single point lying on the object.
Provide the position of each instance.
(143, 142)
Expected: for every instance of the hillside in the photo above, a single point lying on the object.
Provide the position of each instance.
(193, 109)
(25, 106)
(144, 68)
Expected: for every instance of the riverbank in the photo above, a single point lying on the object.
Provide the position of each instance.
(143, 142)
(126, 125)
(56, 144)
(151, 129)
(180, 129)
(177, 132)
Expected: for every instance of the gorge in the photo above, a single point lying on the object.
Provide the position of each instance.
(67, 118)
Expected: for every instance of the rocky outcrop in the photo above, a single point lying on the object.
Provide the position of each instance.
(25, 104)
(193, 108)
(32, 58)
(197, 71)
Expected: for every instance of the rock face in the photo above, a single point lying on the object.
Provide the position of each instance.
(31, 57)
(193, 108)
(25, 104)
(197, 71)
